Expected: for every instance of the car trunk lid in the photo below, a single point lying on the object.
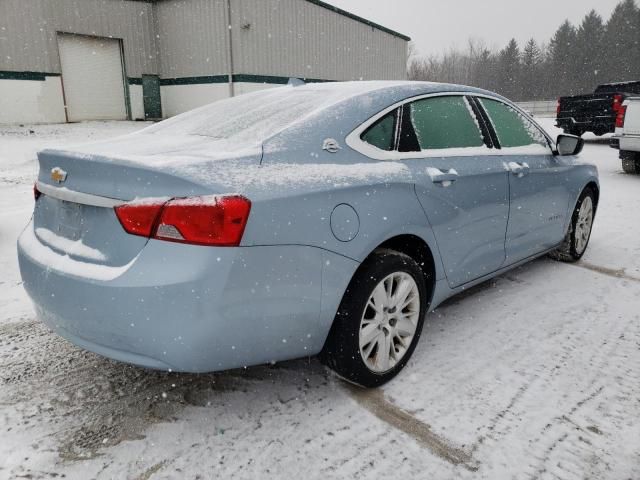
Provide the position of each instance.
(74, 215)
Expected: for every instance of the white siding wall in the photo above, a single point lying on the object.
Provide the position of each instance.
(181, 98)
(295, 38)
(188, 38)
(136, 101)
(191, 37)
(247, 87)
(31, 101)
(28, 40)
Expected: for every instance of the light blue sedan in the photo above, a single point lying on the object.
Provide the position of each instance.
(320, 219)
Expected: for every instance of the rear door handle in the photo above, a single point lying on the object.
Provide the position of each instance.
(518, 169)
(442, 177)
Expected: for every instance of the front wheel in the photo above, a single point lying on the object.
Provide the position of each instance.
(577, 238)
(379, 320)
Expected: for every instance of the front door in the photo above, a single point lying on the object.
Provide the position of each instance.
(538, 184)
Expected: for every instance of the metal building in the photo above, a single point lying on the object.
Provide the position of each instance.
(71, 60)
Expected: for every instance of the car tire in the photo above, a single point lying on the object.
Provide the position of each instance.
(630, 162)
(577, 238)
(576, 132)
(600, 130)
(364, 312)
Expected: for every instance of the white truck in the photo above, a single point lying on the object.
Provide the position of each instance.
(627, 136)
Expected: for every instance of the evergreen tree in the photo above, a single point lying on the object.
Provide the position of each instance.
(484, 71)
(531, 70)
(621, 43)
(509, 71)
(574, 62)
(589, 53)
(561, 59)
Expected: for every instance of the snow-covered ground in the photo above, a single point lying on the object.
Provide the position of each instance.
(535, 374)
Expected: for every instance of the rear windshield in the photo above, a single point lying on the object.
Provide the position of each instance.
(254, 117)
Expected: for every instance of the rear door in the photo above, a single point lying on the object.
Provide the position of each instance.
(538, 182)
(461, 185)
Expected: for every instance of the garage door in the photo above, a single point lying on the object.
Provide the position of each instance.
(92, 78)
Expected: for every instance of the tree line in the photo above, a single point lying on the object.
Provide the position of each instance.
(574, 61)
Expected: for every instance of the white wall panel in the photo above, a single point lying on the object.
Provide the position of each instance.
(181, 98)
(136, 102)
(29, 101)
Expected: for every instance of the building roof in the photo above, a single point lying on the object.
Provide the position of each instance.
(359, 19)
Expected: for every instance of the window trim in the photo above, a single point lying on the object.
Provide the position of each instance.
(494, 132)
(354, 141)
(396, 127)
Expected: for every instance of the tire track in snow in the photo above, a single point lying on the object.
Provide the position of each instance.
(610, 272)
(375, 402)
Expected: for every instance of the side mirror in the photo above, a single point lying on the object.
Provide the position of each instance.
(569, 145)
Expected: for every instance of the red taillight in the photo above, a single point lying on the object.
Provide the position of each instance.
(36, 192)
(617, 102)
(210, 220)
(622, 111)
(139, 218)
(558, 108)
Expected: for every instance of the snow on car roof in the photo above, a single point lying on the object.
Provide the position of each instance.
(239, 127)
(254, 117)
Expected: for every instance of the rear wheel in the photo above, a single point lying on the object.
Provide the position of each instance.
(630, 162)
(600, 130)
(577, 238)
(379, 320)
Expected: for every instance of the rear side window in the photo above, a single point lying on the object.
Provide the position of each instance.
(445, 122)
(382, 133)
(513, 128)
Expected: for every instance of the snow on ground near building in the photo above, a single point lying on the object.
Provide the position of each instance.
(535, 374)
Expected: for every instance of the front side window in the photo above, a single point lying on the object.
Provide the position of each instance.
(513, 128)
(445, 122)
(382, 133)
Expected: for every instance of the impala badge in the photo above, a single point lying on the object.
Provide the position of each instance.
(58, 175)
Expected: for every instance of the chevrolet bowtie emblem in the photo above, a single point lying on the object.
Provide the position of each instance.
(58, 175)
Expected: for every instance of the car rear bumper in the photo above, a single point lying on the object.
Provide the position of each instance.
(194, 308)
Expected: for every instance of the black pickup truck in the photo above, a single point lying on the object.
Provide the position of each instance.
(595, 112)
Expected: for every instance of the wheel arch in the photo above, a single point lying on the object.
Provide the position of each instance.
(415, 247)
(596, 190)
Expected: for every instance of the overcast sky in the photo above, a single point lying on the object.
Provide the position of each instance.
(436, 25)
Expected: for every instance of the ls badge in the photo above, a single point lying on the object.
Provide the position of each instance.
(58, 175)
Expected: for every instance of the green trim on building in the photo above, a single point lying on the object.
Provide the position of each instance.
(239, 77)
(359, 19)
(194, 80)
(38, 76)
(249, 78)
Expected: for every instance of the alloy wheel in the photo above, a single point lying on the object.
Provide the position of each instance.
(389, 321)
